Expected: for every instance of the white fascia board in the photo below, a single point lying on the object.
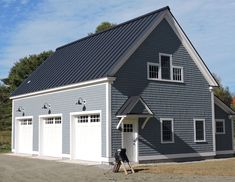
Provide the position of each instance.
(67, 87)
(191, 50)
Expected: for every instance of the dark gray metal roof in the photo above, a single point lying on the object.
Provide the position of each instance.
(89, 58)
(134, 105)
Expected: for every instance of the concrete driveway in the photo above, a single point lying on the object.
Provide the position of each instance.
(28, 169)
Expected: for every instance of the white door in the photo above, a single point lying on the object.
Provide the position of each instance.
(51, 137)
(25, 136)
(87, 142)
(129, 140)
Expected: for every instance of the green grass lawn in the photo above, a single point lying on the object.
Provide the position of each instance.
(5, 141)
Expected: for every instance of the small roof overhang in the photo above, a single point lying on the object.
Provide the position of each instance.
(134, 107)
(223, 106)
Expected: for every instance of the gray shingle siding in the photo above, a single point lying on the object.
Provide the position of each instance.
(181, 101)
(64, 103)
(224, 141)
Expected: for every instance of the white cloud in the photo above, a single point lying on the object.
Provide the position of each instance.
(52, 23)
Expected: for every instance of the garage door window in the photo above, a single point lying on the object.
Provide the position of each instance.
(26, 122)
(93, 118)
(56, 120)
(49, 121)
(82, 119)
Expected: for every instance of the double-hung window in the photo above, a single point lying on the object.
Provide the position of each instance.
(164, 70)
(167, 130)
(220, 126)
(199, 130)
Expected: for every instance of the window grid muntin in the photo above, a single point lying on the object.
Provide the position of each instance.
(167, 130)
(174, 73)
(82, 119)
(57, 120)
(49, 121)
(53, 120)
(89, 118)
(165, 67)
(127, 128)
(26, 121)
(177, 73)
(153, 71)
(95, 118)
(220, 126)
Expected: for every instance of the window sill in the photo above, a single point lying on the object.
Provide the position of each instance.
(220, 133)
(167, 142)
(200, 141)
(171, 81)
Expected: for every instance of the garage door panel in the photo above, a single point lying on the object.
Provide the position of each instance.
(25, 136)
(52, 137)
(87, 138)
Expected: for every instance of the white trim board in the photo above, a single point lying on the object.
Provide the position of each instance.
(108, 120)
(175, 156)
(223, 152)
(67, 87)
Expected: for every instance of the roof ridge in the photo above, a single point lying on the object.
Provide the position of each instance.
(116, 26)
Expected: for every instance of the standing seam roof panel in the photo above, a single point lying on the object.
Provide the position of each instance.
(88, 58)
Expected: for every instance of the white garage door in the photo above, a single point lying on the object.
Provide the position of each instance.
(25, 136)
(51, 137)
(88, 137)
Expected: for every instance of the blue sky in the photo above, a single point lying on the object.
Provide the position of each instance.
(31, 26)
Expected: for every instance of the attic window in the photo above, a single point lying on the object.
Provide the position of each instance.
(28, 81)
(164, 70)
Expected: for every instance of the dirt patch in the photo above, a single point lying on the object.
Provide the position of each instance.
(222, 167)
(28, 169)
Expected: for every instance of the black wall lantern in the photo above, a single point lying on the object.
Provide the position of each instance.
(47, 106)
(82, 102)
(21, 109)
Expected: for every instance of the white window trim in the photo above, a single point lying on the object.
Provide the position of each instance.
(223, 121)
(160, 67)
(182, 74)
(153, 64)
(160, 70)
(172, 130)
(204, 132)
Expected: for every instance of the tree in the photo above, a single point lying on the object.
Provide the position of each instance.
(103, 26)
(20, 71)
(223, 93)
(23, 68)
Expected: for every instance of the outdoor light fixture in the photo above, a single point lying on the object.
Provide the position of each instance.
(21, 109)
(47, 106)
(81, 101)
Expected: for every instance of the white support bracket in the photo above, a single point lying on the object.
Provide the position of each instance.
(145, 122)
(120, 122)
